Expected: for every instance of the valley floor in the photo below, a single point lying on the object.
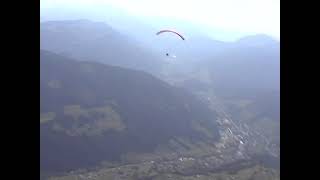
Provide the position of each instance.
(182, 168)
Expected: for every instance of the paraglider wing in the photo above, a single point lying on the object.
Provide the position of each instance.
(171, 31)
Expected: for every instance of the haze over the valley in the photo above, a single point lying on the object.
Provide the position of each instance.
(118, 101)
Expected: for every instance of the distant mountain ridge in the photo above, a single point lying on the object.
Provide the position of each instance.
(88, 40)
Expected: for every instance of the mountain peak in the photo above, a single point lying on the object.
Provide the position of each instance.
(258, 39)
(77, 22)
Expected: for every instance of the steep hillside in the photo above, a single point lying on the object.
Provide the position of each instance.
(92, 112)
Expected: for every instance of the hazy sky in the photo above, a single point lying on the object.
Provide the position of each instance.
(252, 16)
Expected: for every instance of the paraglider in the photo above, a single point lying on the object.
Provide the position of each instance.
(173, 32)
